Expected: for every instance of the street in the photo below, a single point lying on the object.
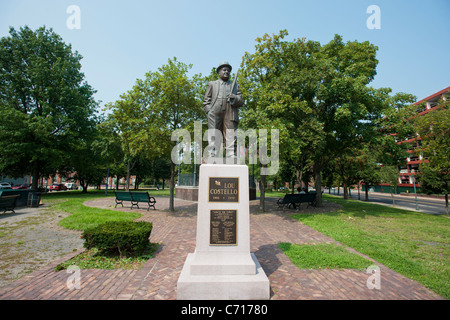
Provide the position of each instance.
(425, 205)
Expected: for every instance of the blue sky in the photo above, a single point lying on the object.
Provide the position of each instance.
(121, 40)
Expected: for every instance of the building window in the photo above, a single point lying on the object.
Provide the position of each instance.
(404, 179)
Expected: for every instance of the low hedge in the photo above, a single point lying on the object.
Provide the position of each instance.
(119, 237)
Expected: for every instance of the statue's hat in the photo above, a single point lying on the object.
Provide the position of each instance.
(223, 64)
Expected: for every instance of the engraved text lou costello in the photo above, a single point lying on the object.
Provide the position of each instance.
(223, 189)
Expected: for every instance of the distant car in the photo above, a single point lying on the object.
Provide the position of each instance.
(22, 186)
(71, 186)
(58, 187)
(5, 185)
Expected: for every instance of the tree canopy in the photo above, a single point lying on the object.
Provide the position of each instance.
(146, 116)
(45, 103)
(316, 95)
(332, 124)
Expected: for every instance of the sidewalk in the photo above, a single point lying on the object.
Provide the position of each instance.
(157, 279)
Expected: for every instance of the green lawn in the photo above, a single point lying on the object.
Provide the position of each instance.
(414, 244)
(83, 217)
(323, 255)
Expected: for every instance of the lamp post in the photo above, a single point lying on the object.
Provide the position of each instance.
(195, 166)
(414, 185)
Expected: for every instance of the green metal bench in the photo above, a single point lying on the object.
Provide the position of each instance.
(142, 197)
(135, 198)
(288, 200)
(122, 196)
(309, 198)
(294, 200)
(8, 203)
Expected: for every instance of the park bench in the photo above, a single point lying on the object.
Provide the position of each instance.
(294, 200)
(288, 200)
(8, 203)
(142, 197)
(134, 198)
(309, 198)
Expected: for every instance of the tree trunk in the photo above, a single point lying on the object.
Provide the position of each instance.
(299, 174)
(172, 187)
(35, 182)
(345, 191)
(318, 183)
(84, 185)
(127, 183)
(446, 202)
(293, 186)
(367, 192)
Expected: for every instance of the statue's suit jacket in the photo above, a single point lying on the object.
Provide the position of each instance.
(212, 104)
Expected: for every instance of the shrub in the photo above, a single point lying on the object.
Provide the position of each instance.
(122, 237)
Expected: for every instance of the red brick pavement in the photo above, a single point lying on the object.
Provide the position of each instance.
(157, 279)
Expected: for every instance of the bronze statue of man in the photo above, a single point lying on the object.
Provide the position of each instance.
(221, 103)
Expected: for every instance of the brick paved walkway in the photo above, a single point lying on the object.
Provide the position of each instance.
(157, 279)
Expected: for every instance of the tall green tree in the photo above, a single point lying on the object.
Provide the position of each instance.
(133, 124)
(90, 159)
(166, 100)
(45, 103)
(434, 130)
(174, 100)
(347, 165)
(317, 95)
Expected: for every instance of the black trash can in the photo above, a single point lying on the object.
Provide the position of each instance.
(34, 198)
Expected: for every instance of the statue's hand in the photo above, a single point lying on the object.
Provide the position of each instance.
(232, 96)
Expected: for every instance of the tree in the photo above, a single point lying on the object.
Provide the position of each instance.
(132, 123)
(88, 166)
(173, 98)
(90, 158)
(433, 128)
(161, 169)
(45, 104)
(389, 175)
(107, 146)
(268, 85)
(347, 165)
(146, 116)
(369, 171)
(317, 96)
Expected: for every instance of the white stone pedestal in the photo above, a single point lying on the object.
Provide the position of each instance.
(222, 266)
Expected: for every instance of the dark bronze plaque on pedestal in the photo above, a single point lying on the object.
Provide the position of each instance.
(222, 228)
(223, 189)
